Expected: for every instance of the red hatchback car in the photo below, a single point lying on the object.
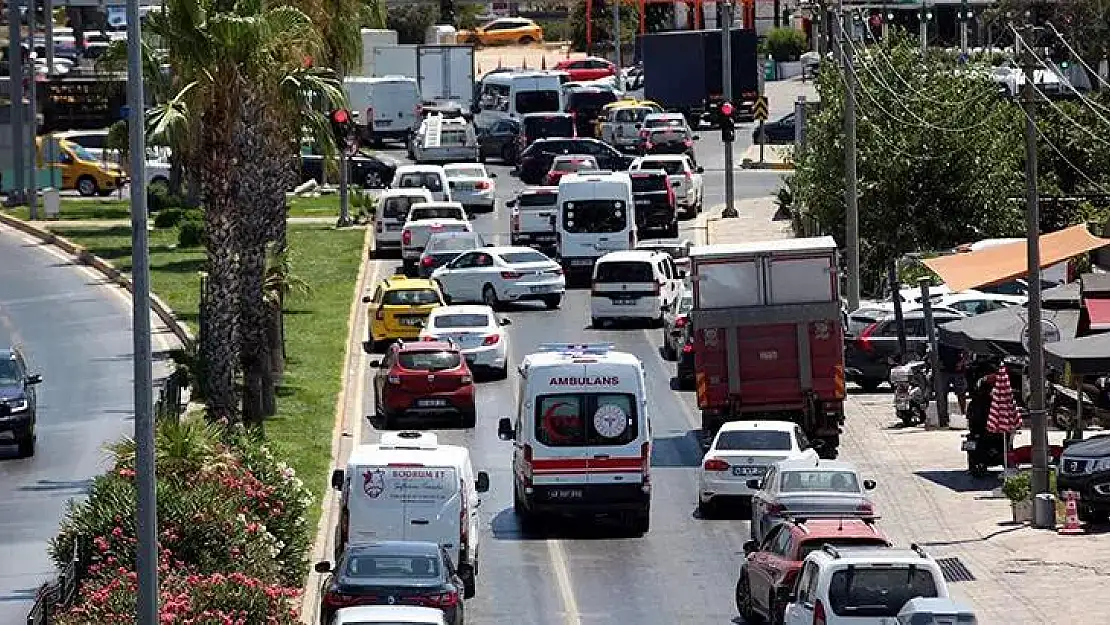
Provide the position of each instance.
(427, 379)
(589, 68)
(568, 164)
(767, 575)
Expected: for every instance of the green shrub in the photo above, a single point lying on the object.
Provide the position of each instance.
(159, 198)
(167, 217)
(190, 233)
(1017, 487)
(785, 44)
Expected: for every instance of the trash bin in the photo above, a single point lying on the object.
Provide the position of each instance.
(51, 202)
(770, 70)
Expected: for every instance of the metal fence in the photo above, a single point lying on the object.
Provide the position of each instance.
(55, 596)
(169, 404)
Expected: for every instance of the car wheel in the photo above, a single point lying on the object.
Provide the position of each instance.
(669, 352)
(597, 323)
(706, 509)
(744, 600)
(489, 296)
(26, 444)
(466, 573)
(502, 373)
(374, 180)
(672, 230)
(640, 523)
(409, 267)
(526, 39)
(446, 297)
(552, 302)
(86, 186)
(469, 419)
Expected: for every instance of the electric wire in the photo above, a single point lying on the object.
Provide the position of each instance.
(1067, 161)
(1090, 104)
(1075, 54)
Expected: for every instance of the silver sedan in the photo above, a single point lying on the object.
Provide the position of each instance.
(808, 488)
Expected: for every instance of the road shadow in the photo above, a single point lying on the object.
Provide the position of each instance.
(192, 265)
(506, 526)
(677, 451)
(446, 422)
(73, 487)
(959, 480)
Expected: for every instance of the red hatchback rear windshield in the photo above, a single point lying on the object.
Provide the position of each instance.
(429, 361)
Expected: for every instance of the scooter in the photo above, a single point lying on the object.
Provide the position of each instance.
(913, 389)
(984, 449)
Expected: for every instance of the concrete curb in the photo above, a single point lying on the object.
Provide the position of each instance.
(87, 258)
(748, 164)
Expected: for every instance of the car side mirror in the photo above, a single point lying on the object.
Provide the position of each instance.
(510, 203)
(506, 322)
(34, 378)
(639, 126)
(505, 429)
(699, 170)
(337, 477)
(375, 363)
(751, 547)
(665, 307)
(696, 137)
(366, 299)
(368, 347)
(323, 567)
(869, 484)
(681, 273)
(482, 483)
(754, 483)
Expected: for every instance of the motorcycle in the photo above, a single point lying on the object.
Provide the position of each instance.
(913, 389)
(984, 449)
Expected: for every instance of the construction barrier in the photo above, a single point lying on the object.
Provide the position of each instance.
(1071, 514)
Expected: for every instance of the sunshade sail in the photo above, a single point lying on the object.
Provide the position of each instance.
(1089, 355)
(1001, 263)
(998, 332)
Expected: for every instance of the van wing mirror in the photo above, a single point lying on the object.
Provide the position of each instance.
(366, 299)
(750, 547)
(869, 484)
(482, 483)
(337, 478)
(34, 378)
(505, 429)
(510, 203)
(676, 184)
(323, 567)
(700, 170)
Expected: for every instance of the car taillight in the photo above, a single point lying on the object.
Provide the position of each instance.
(511, 275)
(688, 143)
(394, 380)
(418, 110)
(595, 288)
(558, 271)
(380, 315)
(427, 261)
(838, 382)
(527, 468)
(378, 227)
(514, 221)
(680, 322)
(644, 134)
(370, 115)
(481, 184)
(466, 379)
(445, 600)
(671, 199)
(632, 238)
(645, 466)
(648, 145)
(344, 526)
(863, 341)
(689, 176)
(865, 508)
(715, 464)
(406, 237)
(775, 508)
(819, 613)
(788, 579)
(491, 339)
(336, 600)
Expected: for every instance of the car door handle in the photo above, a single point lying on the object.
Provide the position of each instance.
(419, 521)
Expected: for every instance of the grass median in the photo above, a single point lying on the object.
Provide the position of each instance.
(75, 209)
(316, 327)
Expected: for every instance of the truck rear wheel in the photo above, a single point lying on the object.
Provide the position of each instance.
(640, 522)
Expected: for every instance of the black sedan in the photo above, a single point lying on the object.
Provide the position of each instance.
(500, 141)
(778, 132)
(536, 160)
(443, 247)
(373, 171)
(392, 573)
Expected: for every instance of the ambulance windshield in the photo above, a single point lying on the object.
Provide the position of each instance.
(581, 419)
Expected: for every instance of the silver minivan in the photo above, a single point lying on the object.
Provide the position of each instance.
(389, 218)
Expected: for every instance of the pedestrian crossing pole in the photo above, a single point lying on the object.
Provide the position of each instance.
(851, 198)
(726, 83)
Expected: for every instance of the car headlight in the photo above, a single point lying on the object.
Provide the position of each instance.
(18, 405)
(1102, 464)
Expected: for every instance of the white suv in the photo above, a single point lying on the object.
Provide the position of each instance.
(861, 585)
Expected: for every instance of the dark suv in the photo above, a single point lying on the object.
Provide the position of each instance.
(17, 401)
(868, 356)
(536, 161)
(1085, 469)
(656, 211)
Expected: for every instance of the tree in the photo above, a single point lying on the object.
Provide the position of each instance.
(412, 21)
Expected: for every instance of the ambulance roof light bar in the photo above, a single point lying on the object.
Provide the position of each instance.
(577, 348)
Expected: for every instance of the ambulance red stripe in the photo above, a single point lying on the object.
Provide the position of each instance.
(609, 465)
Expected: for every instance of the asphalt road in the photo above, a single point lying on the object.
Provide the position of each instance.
(76, 332)
(579, 573)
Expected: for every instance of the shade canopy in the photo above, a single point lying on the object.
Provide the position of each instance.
(1002, 263)
(1088, 355)
(998, 333)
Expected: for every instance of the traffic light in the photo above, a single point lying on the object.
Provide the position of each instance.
(728, 125)
(342, 127)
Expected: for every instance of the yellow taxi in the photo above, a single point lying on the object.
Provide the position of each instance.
(398, 308)
(656, 108)
(505, 30)
(79, 168)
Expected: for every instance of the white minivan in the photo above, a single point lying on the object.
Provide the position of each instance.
(430, 177)
(410, 487)
(514, 94)
(634, 284)
(389, 218)
(388, 107)
(595, 216)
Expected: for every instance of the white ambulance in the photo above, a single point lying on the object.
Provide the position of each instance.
(410, 487)
(581, 435)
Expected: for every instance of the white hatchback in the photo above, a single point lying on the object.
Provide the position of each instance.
(472, 186)
(744, 450)
(479, 334)
(493, 275)
(634, 284)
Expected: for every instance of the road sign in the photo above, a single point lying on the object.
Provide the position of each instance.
(760, 109)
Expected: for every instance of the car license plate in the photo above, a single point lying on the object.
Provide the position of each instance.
(383, 122)
(623, 301)
(969, 446)
(581, 262)
(393, 227)
(431, 403)
(749, 471)
(410, 321)
(539, 289)
(565, 493)
(643, 202)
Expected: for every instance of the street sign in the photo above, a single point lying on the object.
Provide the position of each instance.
(760, 109)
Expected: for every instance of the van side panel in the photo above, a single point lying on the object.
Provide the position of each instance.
(404, 503)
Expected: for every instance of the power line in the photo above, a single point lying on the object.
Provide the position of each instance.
(1075, 54)
(1067, 161)
(1092, 105)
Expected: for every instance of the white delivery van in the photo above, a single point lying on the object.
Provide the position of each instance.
(516, 94)
(595, 216)
(634, 284)
(581, 436)
(388, 107)
(411, 487)
(393, 210)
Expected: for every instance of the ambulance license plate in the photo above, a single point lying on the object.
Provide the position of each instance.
(565, 493)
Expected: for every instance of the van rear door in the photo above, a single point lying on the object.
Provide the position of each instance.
(432, 501)
(376, 510)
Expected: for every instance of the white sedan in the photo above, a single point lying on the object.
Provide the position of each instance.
(472, 186)
(480, 335)
(686, 179)
(744, 450)
(493, 275)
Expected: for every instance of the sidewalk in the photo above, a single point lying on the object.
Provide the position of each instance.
(755, 223)
(774, 157)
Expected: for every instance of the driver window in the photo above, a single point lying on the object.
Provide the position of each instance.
(483, 260)
(65, 158)
(466, 260)
(782, 543)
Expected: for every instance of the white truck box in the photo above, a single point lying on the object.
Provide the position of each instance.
(446, 73)
(373, 38)
(765, 273)
(395, 60)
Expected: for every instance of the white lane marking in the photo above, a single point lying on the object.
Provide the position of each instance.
(571, 615)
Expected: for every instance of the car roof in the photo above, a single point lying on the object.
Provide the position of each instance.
(539, 190)
(819, 465)
(548, 114)
(369, 614)
(507, 249)
(426, 346)
(846, 527)
(401, 281)
(645, 256)
(419, 168)
(8, 353)
(865, 555)
(399, 547)
(462, 309)
(663, 157)
(676, 242)
(404, 192)
(574, 157)
(772, 426)
(463, 166)
(438, 204)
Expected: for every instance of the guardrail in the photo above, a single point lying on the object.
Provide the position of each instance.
(55, 596)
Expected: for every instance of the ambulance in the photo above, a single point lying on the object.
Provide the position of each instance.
(581, 436)
(410, 487)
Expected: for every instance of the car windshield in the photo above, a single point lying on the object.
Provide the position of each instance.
(673, 168)
(659, 133)
(631, 115)
(537, 102)
(531, 200)
(416, 180)
(397, 207)
(452, 138)
(553, 126)
(820, 481)
(590, 101)
(390, 566)
(755, 440)
(516, 258)
(435, 212)
(454, 244)
(869, 592)
(577, 419)
(664, 122)
(576, 165)
(646, 183)
(632, 271)
(429, 361)
(410, 297)
(461, 320)
(81, 153)
(594, 216)
(9, 373)
(466, 172)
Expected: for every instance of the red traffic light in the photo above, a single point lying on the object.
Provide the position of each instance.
(726, 109)
(340, 116)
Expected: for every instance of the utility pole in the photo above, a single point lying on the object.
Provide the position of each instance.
(146, 526)
(617, 37)
(965, 15)
(800, 124)
(1039, 429)
(939, 380)
(851, 199)
(15, 95)
(33, 162)
(923, 27)
(726, 83)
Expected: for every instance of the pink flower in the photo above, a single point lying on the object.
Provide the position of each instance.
(125, 472)
(117, 531)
